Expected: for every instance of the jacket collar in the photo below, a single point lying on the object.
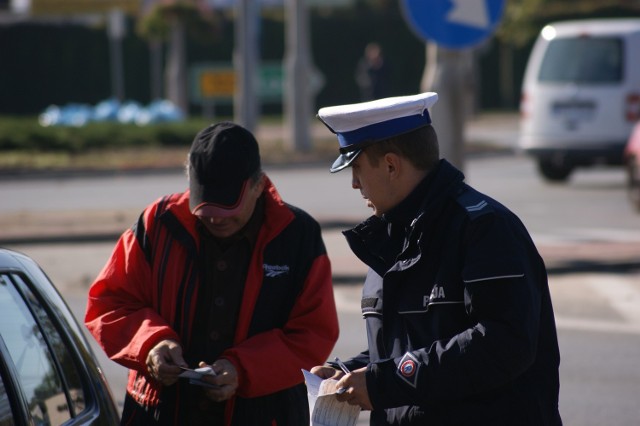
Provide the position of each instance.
(443, 179)
(378, 240)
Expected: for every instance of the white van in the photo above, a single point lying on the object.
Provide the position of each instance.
(580, 94)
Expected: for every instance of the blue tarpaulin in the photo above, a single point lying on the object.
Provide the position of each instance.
(111, 110)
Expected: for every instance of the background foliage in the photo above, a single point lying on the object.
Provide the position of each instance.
(44, 64)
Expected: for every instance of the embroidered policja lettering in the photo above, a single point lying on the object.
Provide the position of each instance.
(273, 271)
(436, 293)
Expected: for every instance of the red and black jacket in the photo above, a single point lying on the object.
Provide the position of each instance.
(147, 292)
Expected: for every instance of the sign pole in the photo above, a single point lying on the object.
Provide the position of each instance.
(448, 72)
(451, 28)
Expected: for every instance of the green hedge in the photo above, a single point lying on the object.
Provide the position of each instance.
(26, 134)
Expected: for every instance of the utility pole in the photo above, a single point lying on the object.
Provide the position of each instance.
(245, 60)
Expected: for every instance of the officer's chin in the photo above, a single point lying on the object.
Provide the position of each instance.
(376, 212)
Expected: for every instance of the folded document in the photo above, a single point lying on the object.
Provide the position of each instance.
(324, 407)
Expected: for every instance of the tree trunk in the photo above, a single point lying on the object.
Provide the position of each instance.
(176, 72)
(155, 65)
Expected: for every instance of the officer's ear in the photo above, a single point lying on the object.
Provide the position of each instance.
(393, 164)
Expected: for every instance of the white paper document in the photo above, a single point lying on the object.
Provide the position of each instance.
(324, 408)
(198, 373)
(195, 376)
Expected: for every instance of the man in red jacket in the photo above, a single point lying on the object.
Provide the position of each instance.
(225, 275)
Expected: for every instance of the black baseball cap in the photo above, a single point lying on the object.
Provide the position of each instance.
(222, 158)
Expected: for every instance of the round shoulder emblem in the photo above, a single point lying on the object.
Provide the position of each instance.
(408, 368)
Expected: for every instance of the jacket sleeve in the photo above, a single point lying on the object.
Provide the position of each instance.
(271, 361)
(503, 278)
(119, 312)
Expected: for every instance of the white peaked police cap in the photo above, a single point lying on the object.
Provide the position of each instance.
(360, 125)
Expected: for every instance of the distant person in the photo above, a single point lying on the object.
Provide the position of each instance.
(460, 324)
(372, 74)
(226, 275)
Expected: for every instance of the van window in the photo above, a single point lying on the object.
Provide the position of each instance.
(583, 60)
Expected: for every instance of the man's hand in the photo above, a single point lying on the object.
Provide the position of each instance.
(326, 372)
(356, 392)
(164, 362)
(226, 380)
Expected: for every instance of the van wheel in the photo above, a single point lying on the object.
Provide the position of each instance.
(554, 171)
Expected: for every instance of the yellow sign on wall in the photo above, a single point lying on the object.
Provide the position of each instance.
(215, 83)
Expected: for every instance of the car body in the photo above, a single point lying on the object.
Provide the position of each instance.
(580, 94)
(48, 372)
(632, 164)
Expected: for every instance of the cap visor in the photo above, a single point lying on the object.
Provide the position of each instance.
(344, 161)
(220, 210)
(210, 210)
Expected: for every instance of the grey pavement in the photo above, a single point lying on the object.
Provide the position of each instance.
(64, 227)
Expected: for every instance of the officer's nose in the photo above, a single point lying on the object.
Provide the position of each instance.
(355, 182)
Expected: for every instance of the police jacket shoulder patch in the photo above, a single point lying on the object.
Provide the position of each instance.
(408, 369)
(475, 203)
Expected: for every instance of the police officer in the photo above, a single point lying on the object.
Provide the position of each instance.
(459, 319)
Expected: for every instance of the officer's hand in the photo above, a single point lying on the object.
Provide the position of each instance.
(164, 362)
(356, 392)
(326, 372)
(226, 380)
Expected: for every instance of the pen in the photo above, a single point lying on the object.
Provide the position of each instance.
(342, 366)
(346, 371)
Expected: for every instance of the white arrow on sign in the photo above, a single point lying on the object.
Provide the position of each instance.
(472, 13)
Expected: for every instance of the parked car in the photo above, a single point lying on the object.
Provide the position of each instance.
(580, 95)
(632, 163)
(48, 372)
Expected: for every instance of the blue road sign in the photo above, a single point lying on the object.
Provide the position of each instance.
(454, 24)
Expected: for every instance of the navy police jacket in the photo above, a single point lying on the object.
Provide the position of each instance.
(458, 313)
